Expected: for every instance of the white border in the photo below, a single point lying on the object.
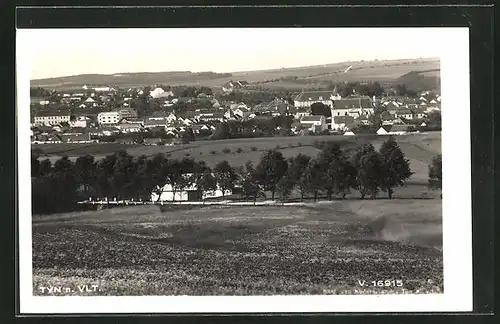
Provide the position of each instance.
(457, 220)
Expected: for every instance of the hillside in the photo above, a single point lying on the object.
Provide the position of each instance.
(419, 81)
(296, 77)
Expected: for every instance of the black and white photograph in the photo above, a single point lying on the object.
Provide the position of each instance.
(244, 169)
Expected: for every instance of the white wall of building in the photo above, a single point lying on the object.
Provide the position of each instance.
(108, 118)
(51, 120)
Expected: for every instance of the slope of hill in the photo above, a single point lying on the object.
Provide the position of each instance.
(384, 70)
(421, 80)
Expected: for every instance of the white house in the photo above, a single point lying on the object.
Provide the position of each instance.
(156, 92)
(171, 118)
(190, 193)
(108, 117)
(314, 123)
(51, 119)
(382, 131)
(306, 99)
(80, 121)
(349, 133)
(355, 107)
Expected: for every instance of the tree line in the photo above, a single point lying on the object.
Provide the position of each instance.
(335, 172)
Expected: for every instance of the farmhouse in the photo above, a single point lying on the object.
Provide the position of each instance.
(314, 123)
(190, 193)
(306, 99)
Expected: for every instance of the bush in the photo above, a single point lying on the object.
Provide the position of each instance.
(227, 150)
(299, 144)
(278, 147)
(201, 153)
(239, 150)
(213, 152)
(253, 148)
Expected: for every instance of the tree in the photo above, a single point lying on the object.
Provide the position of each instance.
(314, 177)
(319, 108)
(123, 172)
(188, 135)
(368, 164)
(435, 173)
(285, 187)
(271, 168)
(249, 186)
(85, 169)
(158, 171)
(434, 119)
(297, 167)
(395, 168)
(35, 166)
(338, 171)
(225, 176)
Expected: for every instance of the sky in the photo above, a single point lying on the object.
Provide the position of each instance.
(63, 52)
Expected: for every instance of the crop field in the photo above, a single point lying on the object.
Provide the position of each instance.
(382, 70)
(323, 248)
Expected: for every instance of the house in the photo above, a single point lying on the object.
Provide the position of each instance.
(214, 116)
(50, 118)
(383, 130)
(233, 85)
(108, 118)
(354, 106)
(130, 127)
(41, 101)
(301, 112)
(242, 113)
(152, 122)
(127, 113)
(362, 120)
(314, 123)
(108, 131)
(400, 129)
(417, 112)
(387, 118)
(156, 92)
(75, 138)
(189, 193)
(349, 133)
(404, 113)
(80, 121)
(307, 98)
(171, 118)
(342, 122)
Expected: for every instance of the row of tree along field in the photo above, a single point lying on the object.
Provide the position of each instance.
(334, 173)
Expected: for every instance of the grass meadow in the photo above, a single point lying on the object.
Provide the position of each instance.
(418, 148)
(323, 248)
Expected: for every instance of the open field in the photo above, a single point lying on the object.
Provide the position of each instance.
(324, 248)
(383, 70)
(418, 148)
